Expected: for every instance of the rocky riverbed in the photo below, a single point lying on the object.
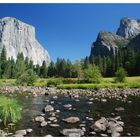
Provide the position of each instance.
(56, 112)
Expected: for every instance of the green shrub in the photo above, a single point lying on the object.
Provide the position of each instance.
(120, 75)
(10, 110)
(70, 80)
(92, 74)
(27, 78)
(54, 82)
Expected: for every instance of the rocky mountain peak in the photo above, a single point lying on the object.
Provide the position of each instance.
(129, 28)
(18, 37)
(107, 44)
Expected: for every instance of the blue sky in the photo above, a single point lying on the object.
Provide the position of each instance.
(68, 30)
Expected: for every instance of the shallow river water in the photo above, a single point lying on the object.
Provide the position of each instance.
(32, 106)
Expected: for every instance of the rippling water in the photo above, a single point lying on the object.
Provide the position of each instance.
(32, 106)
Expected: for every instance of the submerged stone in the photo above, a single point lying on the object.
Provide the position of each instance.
(74, 132)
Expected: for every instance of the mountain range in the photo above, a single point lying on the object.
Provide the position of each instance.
(127, 35)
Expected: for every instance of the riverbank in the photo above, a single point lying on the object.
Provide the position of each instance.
(75, 112)
(69, 114)
(120, 93)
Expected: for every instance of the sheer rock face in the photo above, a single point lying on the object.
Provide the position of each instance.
(19, 37)
(129, 28)
(128, 34)
(107, 44)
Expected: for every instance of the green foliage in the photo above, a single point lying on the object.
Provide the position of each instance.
(99, 86)
(10, 110)
(27, 78)
(54, 82)
(121, 43)
(43, 70)
(120, 75)
(70, 80)
(92, 74)
(20, 65)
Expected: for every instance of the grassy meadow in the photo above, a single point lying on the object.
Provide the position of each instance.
(71, 83)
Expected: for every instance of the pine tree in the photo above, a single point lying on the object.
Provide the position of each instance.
(20, 65)
(3, 61)
(43, 70)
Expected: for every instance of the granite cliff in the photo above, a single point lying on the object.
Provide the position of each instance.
(128, 34)
(17, 36)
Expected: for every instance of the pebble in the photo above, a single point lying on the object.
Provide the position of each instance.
(129, 134)
(104, 135)
(93, 133)
(104, 100)
(54, 125)
(67, 105)
(21, 132)
(119, 109)
(48, 135)
(52, 118)
(82, 125)
(58, 111)
(44, 123)
(29, 130)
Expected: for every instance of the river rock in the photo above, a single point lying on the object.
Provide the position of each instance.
(3, 133)
(49, 108)
(115, 134)
(52, 118)
(55, 97)
(54, 125)
(119, 109)
(48, 135)
(29, 130)
(99, 126)
(82, 125)
(39, 119)
(71, 120)
(11, 124)
(120, 123)
(89, 119)
(21, 132)
(90, 103)
(58, 111)
(118, 118)
(74, 132)
(44, 123)
(104, 135)
(67, 105)
(93, 133)
(91, 99)
(103, 100)
(18, 135)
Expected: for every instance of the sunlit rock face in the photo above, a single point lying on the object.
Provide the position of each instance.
(18, 37)
(107, 44)
(127, 35)
(129, 28)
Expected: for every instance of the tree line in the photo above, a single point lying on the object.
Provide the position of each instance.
(10, 68)
(126, 58)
